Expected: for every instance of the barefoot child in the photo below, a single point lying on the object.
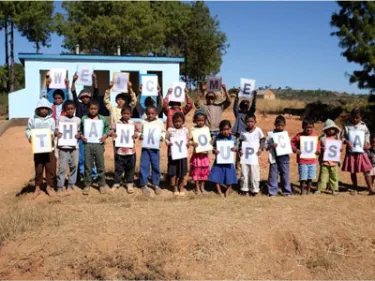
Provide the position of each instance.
(223, 174)
(371, 154)
(329, 170)
(125, 158)
(171, 107)
(94, 152)
(214, 111)
(68, 155)
(356, 162)
(199, 162)
(177, 169)
(43, 161)
(250, 174)
(278, 164)
(151, 156)
(241, 112)
(306, 167)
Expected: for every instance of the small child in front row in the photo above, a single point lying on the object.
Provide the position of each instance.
(68, 155)
(177, 169)
(43, 161)
(125, 158)
(224, 174)
(306, 167)
(329, 170)
(356, 162)
(94, 152)
(371, 154)
(151, 156)
(199, 162)
(250, 174)
(278, 164)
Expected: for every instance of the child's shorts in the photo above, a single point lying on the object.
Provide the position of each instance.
(307, 171)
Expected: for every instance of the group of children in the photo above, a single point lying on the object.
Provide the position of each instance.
(87, 159)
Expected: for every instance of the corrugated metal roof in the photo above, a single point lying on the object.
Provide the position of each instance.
(33, 56)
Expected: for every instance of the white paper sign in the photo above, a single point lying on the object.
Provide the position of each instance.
(93, 130)
(84, 73)
(247, 88)
(213, 83)
(357, 139)
(202, 136)
(120, 82)
(41, 140)
(57, 76)
(179, 148)
(68, 131)
(151, 136)
(125, 133)
(226, 155)
(283, 143)
(250, 150)
(178, 92)
(308, 147)
(332, 150)
(149, 85)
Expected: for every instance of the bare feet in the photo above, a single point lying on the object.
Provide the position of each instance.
(36, 192)
(50, 191)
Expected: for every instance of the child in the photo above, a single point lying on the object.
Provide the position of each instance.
(224, 173)
(356, 162)
(250, 174)
(171, 107)
(306, 167)
(94, 152)
(278, 164)
(213, 111)
(329, 170)
(149, 101)
(82, 108)
(241, 112)
(199, 162)
(121, 100)
(177, 169)
(371, 153)
(68, 155)
(43, 161)
(125, 158)
(151, 156)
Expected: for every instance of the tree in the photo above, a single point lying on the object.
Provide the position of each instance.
(19, 78)
(35, 22)
(356, 31)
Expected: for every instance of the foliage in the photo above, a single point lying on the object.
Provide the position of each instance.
(356, 31)
(19, 78)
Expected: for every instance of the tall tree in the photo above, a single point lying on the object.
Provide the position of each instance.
(356, 31)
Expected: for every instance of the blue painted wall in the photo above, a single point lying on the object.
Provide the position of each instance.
(22, 103)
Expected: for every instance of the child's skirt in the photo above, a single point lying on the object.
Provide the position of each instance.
(199, 166)
(223, 174)
(177, 168)
(356, 163)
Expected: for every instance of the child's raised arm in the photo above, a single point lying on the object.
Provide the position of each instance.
(227, 101)
(235, 105)
(166, 102)
(106, 99)
(189, 103)
(133, 97)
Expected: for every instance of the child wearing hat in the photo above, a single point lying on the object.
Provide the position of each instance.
(329, 170)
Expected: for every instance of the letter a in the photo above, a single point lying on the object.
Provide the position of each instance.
(93, 131)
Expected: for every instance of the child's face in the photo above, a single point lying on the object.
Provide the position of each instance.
(200, 121)
(331, 132)
(356, 119)
(210, 98)
(149, 102)
(43, 111)
(174, 105)
(279, 127)
(308, 129)
(85, 99)
(57, 99)
(126, 115)
(69, 110)
(93, 110)
(151, 114)
(178, 122)
(225, 131)
(250, 123)
(120, 102)
(244, 106)
(372, 142)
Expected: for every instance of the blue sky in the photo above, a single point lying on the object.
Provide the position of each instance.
(277, 43)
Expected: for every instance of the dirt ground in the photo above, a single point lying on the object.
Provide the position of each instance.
(121, 236)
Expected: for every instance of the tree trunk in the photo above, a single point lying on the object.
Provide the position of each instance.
(6, 52)
(37, 47)
(11, 87)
